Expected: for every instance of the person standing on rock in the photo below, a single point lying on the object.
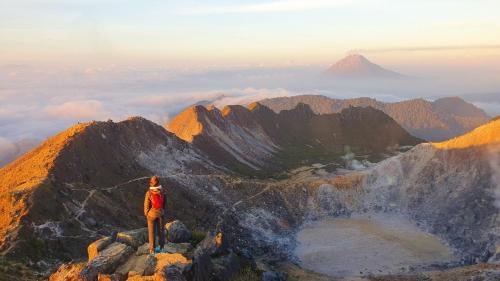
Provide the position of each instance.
(154, 210)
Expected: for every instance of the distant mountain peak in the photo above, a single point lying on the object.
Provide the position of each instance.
(358, 66)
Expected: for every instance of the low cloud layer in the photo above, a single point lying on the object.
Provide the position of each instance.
(38, 102)
(79, 109)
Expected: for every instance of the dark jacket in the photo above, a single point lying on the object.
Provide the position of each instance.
(149, 211)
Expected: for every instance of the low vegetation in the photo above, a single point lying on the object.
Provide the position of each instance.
(247, 273)
(12, 270)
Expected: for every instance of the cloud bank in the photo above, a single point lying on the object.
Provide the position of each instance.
(428, 48)
(39, 101)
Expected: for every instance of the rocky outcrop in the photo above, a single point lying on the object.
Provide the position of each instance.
(211, 260)
(95, 177)
(177, 232)
(96, 247)
(68, 272)
(133, 238)
(106, 262)
(435, 121)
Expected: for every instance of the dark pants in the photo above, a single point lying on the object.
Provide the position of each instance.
(155, 229)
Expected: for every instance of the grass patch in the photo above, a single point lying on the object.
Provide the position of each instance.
(247, 274)
(197, 237)
(14, 270)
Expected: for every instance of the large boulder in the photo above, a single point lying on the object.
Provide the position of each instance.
(225, 267)
(107, 261)
(140, 264)
(68, 272)
(177, 232)
(212, 258)
(133, 238)
(181, 248)
(142, 250)
(164, 261)
(174, 273)
(214, 244)
(97, 246)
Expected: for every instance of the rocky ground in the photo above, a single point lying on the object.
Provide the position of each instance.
(125, 256)
(77, 198)
(260, 219)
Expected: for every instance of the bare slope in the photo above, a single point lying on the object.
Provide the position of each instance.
(257, 138)
(435, 121)
(486, 135)
(83, 182)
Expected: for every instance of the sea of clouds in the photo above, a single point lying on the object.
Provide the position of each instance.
(39, 101)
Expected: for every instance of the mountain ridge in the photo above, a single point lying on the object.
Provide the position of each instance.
(487, 134)
(90, 181)
(433, 121)
(44, 193)
(255, 135)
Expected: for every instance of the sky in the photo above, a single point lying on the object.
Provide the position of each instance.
(63, 62)
(276, 32)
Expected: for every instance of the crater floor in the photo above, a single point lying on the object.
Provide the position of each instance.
(368, 244)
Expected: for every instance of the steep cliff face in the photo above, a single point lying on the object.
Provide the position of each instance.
(257, 138)
(78, 184)
(434, 121)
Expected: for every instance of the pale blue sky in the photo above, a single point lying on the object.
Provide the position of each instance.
(245, 32)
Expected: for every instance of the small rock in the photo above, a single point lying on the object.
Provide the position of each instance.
(141, 278)
(67, 272)
(181, 248)
(111, 277)
(177, 232)
(133, 273)
(133, 238)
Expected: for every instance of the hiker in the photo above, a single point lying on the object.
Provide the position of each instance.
(154, 210)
